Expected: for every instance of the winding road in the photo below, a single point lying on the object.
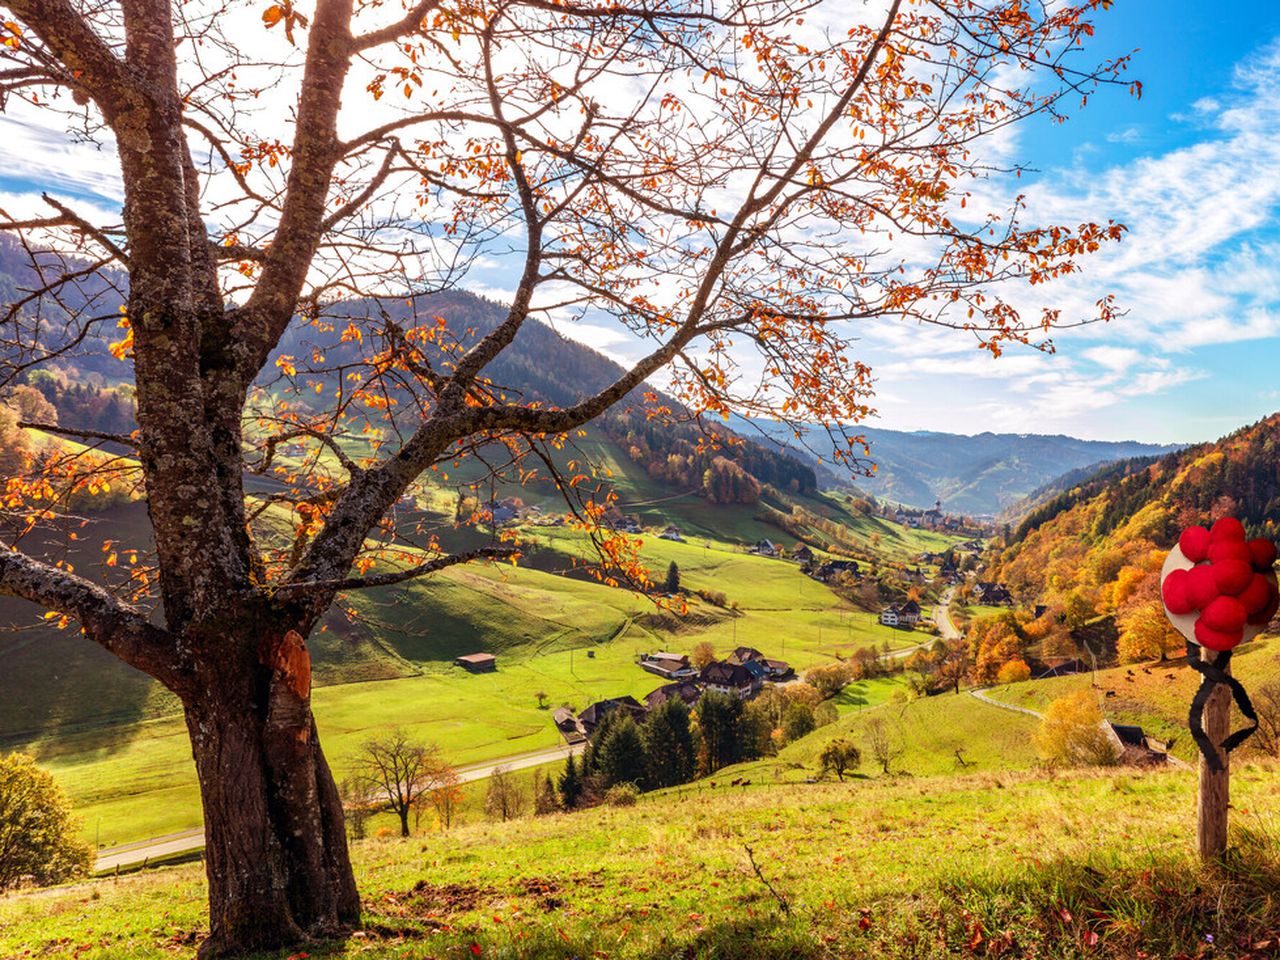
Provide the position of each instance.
(189, 841)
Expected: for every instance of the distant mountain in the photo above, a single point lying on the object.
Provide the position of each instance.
(1105, 537)
(982, 474)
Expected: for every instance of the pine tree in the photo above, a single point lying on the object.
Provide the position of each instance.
(673, 579)
(668, 746)
(570, 784)
(719, 719)
(619, 754)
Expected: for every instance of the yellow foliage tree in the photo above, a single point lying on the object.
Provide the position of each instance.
(1015, 671)
(1072, 733)
(1145, 633)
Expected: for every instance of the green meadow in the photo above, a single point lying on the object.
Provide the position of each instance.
(554, 630)
(997, 859)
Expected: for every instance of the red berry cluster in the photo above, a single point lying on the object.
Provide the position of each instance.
(1231, 585)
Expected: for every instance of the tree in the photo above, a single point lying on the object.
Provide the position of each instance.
(503, 800)
(570, 784)
(446, 795)
(395, 774)
(839, 757)
(541, 697)
(357, 806)
(38, 841)
(1015, 671)
(672, 583)
(703, 654)
(668, 746)
(1146, 633)
(544, 795)
(619, 755)
(241, 227)
(883, 744)
(1072, 734)
(719, 718)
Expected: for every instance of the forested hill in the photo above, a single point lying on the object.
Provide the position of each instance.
(1103, 540)
(986, 473)
(86, 386)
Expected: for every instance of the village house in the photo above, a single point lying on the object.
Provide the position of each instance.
(669, 666)
(672, 532)
(568, 726)
(802, 554)
(478, 662)
(683, 690)
(831, 569)
(590, 718)
(905, 615)
(991, 594)
(732, 679)
(766, 548)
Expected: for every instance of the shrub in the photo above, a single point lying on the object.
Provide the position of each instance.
(38, 841)
(622, 795)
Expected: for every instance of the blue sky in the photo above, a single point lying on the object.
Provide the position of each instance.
(1193, 169)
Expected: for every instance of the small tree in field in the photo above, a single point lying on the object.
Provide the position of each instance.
(397, 775)
(38, 841)
(736, 186)
(445, 797)
(884, 745)
(840, 756)
(1146, 633)
(1015, 671)
(503, 799)
(1071, 733)
(672, 583)
(541, 697)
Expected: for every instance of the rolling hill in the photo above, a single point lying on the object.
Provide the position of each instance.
(1098, 545)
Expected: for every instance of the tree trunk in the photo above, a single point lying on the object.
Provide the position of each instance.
(404, 821)
(275, 841)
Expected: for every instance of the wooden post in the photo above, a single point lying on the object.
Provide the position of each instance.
(1215, 786)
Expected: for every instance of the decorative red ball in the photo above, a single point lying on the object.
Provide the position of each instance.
(1225, 614)
(1255, 596)
(1174, 592)
(1269, 611)
(1212, 639)
(1194, 544)
(1228, 528)
(1221, 550)
(1232, 576)
(1264, 553)
(1202, 586)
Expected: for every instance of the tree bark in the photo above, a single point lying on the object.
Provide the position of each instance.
(275, 840)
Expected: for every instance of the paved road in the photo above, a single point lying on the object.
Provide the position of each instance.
(947, 628)
(188, 841)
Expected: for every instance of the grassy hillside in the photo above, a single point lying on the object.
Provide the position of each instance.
(980, 865)
(134, 779)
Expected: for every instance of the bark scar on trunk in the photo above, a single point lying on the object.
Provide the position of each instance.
(290, 698)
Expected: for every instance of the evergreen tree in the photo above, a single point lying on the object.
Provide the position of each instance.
(544, 795)
(570, 784)
(719, 719)
(619, 754)
(668, 746)
(673, 579)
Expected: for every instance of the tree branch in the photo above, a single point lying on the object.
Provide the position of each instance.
(399, 576)
(118, 627)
